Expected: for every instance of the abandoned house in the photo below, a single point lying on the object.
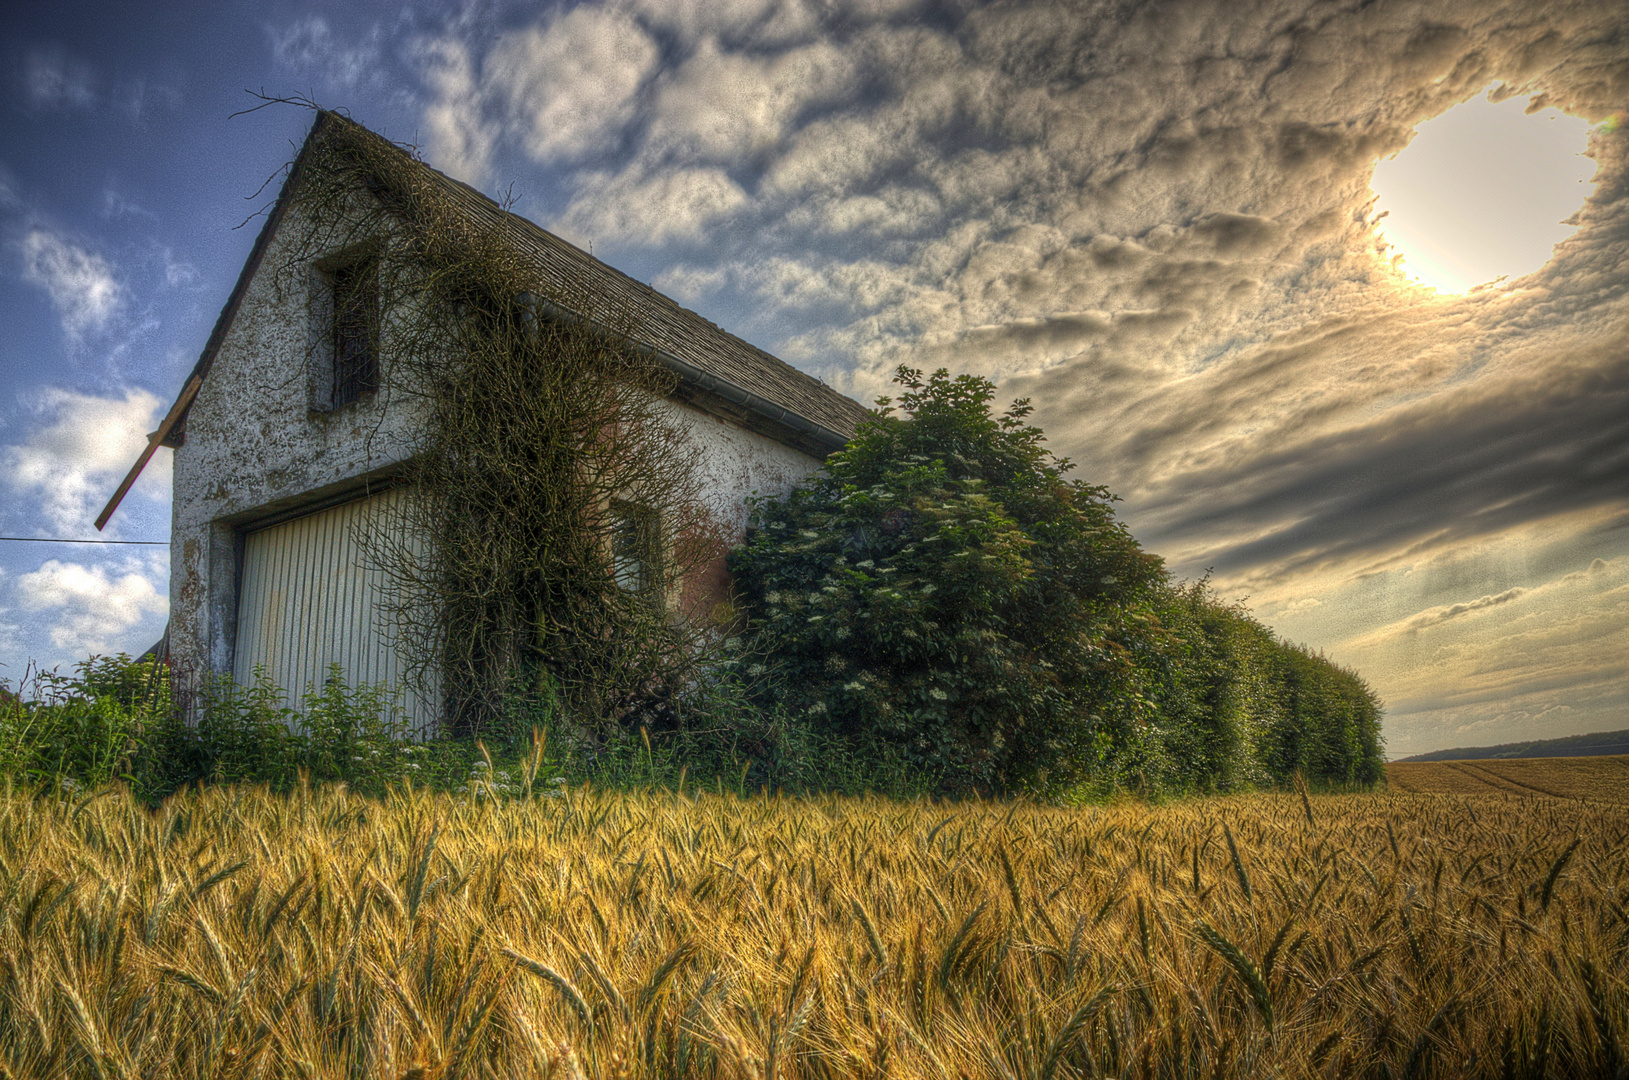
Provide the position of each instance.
(285, 448)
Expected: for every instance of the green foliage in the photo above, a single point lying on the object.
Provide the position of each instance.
(944, 597)
(1242, 708)
(1230, 707)
(355, 734)
(943, 602)
(111, 719)
(115, 719)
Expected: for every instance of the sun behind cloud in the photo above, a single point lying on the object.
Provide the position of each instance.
(1483, 192)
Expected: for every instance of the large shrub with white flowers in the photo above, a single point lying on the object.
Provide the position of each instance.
(942, 594)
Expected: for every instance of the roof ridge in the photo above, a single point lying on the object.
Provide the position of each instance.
(840, 404)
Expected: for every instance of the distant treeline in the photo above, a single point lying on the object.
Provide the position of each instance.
(1591, 745)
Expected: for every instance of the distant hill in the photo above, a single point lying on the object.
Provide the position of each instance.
(1599, 742)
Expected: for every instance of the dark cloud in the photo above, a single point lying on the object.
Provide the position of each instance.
(1059, 333)
(1237, 234)
(1463, 464)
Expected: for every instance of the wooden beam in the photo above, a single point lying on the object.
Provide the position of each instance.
(154, 441)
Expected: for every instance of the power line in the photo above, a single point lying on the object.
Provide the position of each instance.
(60, 540)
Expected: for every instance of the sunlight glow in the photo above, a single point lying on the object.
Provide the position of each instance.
(1482, 191)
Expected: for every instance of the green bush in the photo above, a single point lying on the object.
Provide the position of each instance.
(342, 732)
(944, 599)
(112, 718)
(1241, 708)
(942, 602)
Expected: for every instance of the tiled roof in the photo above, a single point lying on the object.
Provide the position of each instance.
(674, 332)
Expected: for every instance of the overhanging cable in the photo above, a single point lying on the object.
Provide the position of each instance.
(58, 540)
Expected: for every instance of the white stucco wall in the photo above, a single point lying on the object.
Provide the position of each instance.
(736, 463)
(255, 446)
(253, 440)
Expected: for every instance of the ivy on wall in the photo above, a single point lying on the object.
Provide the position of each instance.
(538, 433)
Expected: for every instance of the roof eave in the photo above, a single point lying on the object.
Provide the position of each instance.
(174, 423)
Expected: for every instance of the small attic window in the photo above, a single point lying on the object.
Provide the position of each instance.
(352, 288)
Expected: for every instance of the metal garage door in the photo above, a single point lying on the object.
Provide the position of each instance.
(308, 599)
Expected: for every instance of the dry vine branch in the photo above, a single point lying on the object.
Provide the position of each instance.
(542, 445)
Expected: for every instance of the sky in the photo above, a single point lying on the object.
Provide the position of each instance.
(1330, 294)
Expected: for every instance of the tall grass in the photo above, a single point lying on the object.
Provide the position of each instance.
(578, 932)
(112, 718)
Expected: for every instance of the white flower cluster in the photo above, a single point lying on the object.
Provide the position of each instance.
(495, 784)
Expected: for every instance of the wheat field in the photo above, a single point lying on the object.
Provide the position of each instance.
(234, 933)
(1604, 777)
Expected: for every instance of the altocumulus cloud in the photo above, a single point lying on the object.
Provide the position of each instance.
(1156, 221)
(567, 86)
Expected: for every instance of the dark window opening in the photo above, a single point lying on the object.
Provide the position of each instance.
(356, 330)
(636, 548)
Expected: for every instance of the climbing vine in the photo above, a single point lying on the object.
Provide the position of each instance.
(551, 512)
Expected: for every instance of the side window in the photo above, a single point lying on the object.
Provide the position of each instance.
(352, 332)
(636, 548)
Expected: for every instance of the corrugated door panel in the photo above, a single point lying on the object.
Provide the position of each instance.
(307, 600)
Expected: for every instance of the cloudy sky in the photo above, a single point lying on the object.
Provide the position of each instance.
(1162, 222)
